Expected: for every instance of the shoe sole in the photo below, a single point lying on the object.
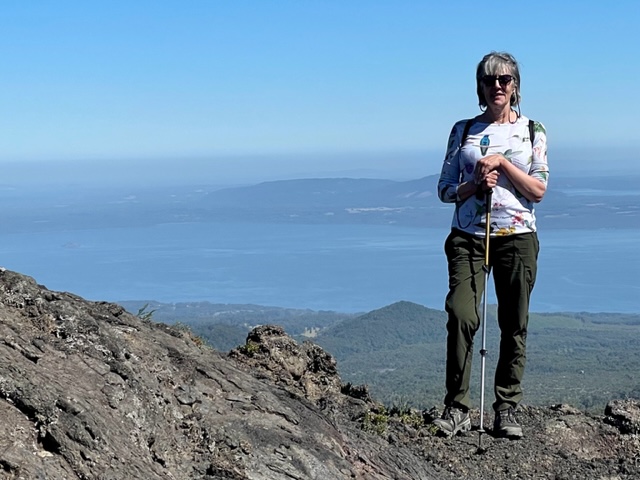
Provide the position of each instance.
(510, 434)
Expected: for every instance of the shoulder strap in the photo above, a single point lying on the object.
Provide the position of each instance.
(465, 132)
(467, 127)
(532, 132)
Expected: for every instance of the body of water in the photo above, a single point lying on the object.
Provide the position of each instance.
(348, 268)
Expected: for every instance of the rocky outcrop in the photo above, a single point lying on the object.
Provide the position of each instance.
(89, 391)
(624, 414)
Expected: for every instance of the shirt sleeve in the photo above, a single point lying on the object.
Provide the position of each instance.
(539, 166)
(450, 175)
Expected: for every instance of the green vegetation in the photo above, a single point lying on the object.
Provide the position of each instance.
(378, 418)
(407, 415)
(145, 314)
(249, 349)
(220, 336)
(584, 359)
(375, 421)
(576, 358)
(195, 338)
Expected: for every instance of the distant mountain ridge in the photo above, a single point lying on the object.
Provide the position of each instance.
(609, 202)
(336, 192)
(333, 200)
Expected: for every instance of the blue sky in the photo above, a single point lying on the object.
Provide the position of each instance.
(224, 79)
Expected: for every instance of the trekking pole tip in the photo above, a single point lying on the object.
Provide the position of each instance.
(480, 450)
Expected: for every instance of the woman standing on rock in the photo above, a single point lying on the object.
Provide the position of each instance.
(504, 152)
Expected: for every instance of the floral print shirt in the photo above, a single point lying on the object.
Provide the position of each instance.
(511, 212)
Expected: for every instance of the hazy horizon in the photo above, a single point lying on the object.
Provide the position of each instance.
(104, 240)
(246, 169)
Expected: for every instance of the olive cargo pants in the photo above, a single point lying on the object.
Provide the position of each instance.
(513, 262)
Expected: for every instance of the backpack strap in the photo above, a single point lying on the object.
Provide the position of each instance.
(467, 127)
(465, 132)
(532, 131)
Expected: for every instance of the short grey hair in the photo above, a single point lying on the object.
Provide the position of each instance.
(495, 63)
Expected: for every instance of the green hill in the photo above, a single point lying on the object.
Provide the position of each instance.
(578, 358)
(584, 359)
(389, 328)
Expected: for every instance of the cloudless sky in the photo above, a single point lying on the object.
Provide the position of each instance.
(144, 79)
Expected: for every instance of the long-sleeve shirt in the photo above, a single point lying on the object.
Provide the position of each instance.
(511, 212)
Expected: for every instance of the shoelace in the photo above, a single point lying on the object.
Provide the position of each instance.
(508, 415)
(449, 413)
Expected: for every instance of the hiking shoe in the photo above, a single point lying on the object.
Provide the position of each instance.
(506, 424)
(452, 421)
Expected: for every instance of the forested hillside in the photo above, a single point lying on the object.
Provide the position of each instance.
(584, 359)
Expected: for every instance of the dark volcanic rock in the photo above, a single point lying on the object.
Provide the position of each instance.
(306, 369)
(624, 414)
(89, 391)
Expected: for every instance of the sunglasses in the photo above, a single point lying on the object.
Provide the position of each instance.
(490, 80)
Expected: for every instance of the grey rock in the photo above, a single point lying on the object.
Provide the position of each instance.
(624, 414)
(89, 391)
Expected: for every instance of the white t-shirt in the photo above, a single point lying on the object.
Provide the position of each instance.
(511, 212)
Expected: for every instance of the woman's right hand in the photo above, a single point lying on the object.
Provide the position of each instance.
(489, 181)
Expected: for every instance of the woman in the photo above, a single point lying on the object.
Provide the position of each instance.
(502, 151)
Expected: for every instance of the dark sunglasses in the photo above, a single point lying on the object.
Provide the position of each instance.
(490, 80)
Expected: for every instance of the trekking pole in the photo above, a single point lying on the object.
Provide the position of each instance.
(483, 350)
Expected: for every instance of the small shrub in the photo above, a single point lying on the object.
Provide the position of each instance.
(249, 349)
(407, 415)
(375, 421)
(144, 314)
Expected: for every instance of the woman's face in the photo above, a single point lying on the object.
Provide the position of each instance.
(498, 89)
